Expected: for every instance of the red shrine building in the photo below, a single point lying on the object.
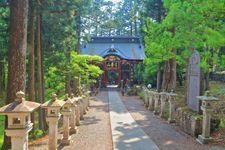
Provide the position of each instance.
(120, 56)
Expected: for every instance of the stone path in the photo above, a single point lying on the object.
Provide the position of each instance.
(94, 131)
(133, 127)
(166, 136)
(125, 131)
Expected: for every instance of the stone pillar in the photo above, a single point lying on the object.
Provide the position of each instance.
(66, 133)
(84, 98)
(53, 132)
(207, 110)
(81, 107)
(145, 95)
(53, 107)
(77, 112)
(19, 138)
(146, 98)
(73, 128)
(151, 100)
(172, 99)
(72, 120)
(163, 104)
(156, 104)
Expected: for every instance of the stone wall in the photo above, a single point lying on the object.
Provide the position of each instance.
(188, 122)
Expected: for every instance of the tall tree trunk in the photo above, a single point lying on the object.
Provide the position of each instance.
(78, 30)
(159, 77)
(1, 76)
(31, 79)
(17, 53)
(68, 78)
(169, 75)
(39, 72)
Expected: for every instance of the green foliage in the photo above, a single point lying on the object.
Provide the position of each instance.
(36, 134)
(2, 124)
(187, 25)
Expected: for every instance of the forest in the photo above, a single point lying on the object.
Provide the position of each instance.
(40, 43)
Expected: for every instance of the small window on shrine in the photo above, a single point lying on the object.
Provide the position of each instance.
(16, 121)
(125, 67)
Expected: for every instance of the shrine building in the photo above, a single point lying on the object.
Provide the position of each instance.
(120, 56)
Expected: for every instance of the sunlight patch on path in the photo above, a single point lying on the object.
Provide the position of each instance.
(126, 133)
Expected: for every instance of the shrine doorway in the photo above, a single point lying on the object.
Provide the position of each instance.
(113, 77)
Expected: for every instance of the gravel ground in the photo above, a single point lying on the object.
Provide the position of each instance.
(166, 136)
(94, 132)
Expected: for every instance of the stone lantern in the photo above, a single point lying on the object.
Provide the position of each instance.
(156, 104)
(84, 101)
(207, 110)
(53, 107)
(163, 98)
(80, 103)
(151, 100)
(67, 113)
(73, 127)
(77, 110)
(146, 97)
(172, 99)
(19, 123)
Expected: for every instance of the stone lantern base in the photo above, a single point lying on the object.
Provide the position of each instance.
(19, 137)
(66, 141)
(203, 140)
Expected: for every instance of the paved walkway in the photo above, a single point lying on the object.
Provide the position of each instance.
(166, 136)
(125, 131)
(122, 123)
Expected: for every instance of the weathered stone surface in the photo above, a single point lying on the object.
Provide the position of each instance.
(193, 77)
(207, 110)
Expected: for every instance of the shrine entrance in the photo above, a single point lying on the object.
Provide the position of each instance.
(113, 77)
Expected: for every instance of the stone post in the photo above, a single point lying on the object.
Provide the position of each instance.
(84, 98)
(145, 95)
(73, 127)
(151, 100)
(53, 107)
(146, 98)
(81, 107)
(163, 103)
(77, 110)
(156, 104)
(172, 98)
(19, 123)
(207, 110)
(66, 112)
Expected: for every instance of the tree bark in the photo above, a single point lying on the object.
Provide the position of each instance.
(31, 79)
(39, 73)
(78, 30)
(169, 75)
(159, 77)
(17, 53)
(67, 78)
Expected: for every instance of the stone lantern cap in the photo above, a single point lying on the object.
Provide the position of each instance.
(68, 100)
(77, 99)
(171, 94)
(207, 98)
(54, 102)
(20, 105)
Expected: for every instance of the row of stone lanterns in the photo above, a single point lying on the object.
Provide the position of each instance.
(19, 122)
(156, 102)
